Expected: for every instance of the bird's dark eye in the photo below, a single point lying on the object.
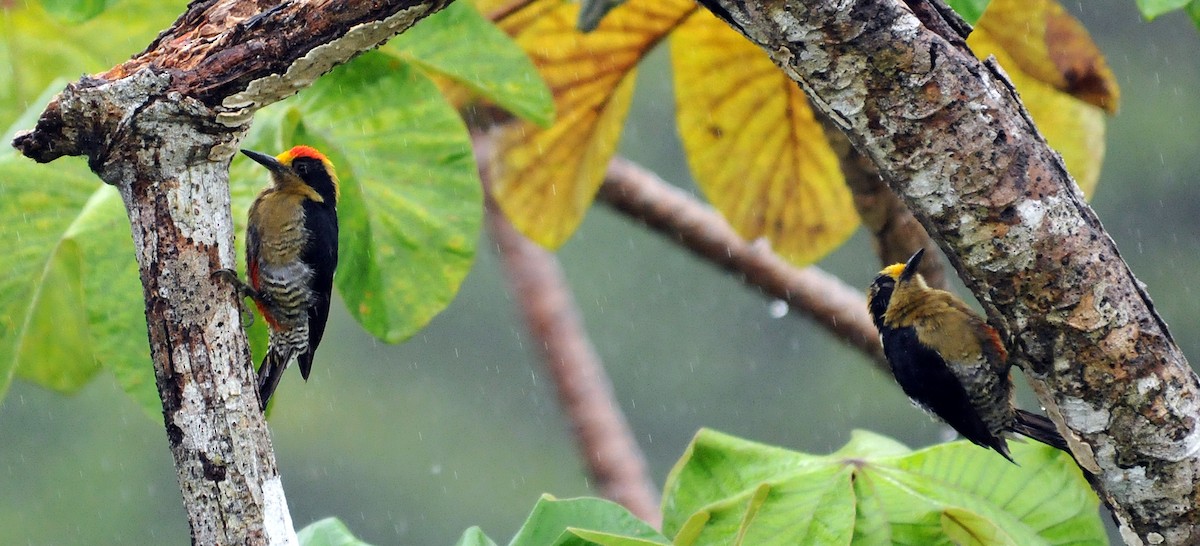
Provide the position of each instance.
(302, 167)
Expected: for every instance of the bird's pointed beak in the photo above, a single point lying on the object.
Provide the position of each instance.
(265, 160)
(910, 267)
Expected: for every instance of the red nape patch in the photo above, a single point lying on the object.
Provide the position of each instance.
(302, 151)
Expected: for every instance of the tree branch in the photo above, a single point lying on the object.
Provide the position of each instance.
(841, 309)
(162, 127)
(612, 457)
(951, 137)
(896, 231)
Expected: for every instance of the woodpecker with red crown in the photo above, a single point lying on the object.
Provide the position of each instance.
(291, 255)
(949, 361)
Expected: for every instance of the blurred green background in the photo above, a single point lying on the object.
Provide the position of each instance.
(411, 444)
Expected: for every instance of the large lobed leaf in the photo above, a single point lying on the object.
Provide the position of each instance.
(873, 491)
(65, 305)
(750, 136)
(584, 521)
(778, 181)
(410, 210)
(545, 179)
(43, 332)
(754, 145)
(489, 64)
(411, 204)
(1060, 74)
(727, 490)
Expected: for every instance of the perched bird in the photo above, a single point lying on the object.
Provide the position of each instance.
(949, 361)
(291, 254)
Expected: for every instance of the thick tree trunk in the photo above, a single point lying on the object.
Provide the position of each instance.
(162, 128)
(953, 140)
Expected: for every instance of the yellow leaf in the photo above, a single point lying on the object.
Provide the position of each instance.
(753, 144)
(1051, 46)
(545, 179)
(1065, 90)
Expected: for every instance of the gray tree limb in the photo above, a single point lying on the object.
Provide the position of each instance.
(162, 128)
(950, 136)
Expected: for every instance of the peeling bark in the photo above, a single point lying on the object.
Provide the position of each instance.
(951, 137)
(162, 128)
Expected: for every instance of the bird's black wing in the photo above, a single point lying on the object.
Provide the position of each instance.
(928, 380)
(321, 254)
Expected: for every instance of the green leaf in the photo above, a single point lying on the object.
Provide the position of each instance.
(967, 528)
(1047, 491)
(328, 532)
(53, 349)
(85, 309)
(43, 277)
(1153, 8)
(582, 537)
(718, 466)
(411, 201)
(568, 521)
(36, 48)
(970, 10)
(814, 507)
(1193, 11)
(100, 303)
(113, 298)
(868, 444)
(75, 11)
(474, 537)
(876, 492)
(490, 64)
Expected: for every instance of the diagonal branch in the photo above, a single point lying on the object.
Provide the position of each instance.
(951, 137)
(162, 128)
(839, 308)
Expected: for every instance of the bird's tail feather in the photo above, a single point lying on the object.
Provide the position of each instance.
(271, 372)
(1042, 429)
(1039, 428)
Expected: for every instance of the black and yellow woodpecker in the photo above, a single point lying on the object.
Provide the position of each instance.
(949, 361)
(291, 254)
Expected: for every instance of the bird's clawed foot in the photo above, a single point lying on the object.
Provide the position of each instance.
(243, 291)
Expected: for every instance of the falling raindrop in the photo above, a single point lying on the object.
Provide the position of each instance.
(777, 308)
